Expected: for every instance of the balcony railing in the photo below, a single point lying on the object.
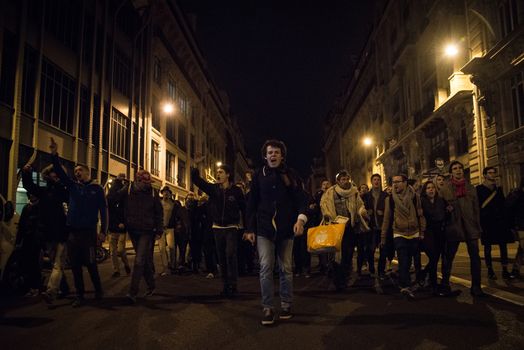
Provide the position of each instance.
(424, 113)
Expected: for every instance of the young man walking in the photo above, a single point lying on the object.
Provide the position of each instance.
(227, 210)
(404, 217)
(494, 223)
(275, 214)
(86, 202)
(463, 225)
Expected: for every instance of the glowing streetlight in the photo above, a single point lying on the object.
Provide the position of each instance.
(451, 50)
(168, 108)
(367, 141)
(219, 164)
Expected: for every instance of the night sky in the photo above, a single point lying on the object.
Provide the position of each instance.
(282, 64)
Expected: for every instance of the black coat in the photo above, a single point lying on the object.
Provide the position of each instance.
(377, 217)
(493, 217)
(51, 216)
(228, 206)
(115, 208)
(142, 208)
(276, 199)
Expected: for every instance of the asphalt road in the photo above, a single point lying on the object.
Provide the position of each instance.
(187, 313)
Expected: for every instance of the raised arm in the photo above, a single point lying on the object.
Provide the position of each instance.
(201, 183)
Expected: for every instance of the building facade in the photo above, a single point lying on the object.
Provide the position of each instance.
(438, 80)
(119, 85)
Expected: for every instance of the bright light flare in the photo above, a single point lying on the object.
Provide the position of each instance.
(367, 141)
(219, 163)
(451, 50)
(168, 108)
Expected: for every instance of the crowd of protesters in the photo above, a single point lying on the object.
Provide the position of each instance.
(264, 218)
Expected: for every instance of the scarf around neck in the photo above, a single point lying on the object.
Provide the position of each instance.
(404, 202)
(344, 193)
(460, 187)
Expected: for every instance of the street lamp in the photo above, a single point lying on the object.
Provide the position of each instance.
(219, 164)
(451, 50)
(367, 141)
(168, 108)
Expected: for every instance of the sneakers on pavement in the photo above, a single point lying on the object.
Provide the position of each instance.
(407, 293)
(115, 274)
(268, 317)
(149, 293)
(285, 314)
(210, 275)
(78, 302)
(131, 299)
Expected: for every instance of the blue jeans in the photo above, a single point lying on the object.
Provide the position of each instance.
(406, 250)
(143, 267)
(266, 254)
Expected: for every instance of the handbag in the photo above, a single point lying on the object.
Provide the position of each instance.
(325, 238)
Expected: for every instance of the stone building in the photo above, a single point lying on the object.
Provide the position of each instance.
(120, 85)
(438, 80)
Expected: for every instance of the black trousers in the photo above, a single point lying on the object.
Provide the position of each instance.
(434, 245)
(366, 251)
(210, 252)
(81, 247)
(503, 255)
(474, 258)
(227, 246)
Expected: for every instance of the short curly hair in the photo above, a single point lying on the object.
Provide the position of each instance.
(276, 144)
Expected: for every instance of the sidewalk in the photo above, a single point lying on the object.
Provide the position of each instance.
(512, 290)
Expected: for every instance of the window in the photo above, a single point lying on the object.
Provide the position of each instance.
(170, 167)
(181, 178)
(155, 159)
(157, 71)
(119, 141)
(517, 97)
(155, 114)
(57, 97)
(170, 129)
(7, 77)
(122, 77)
(508, 16)
(462, 140)
(439, 144)
(171, 90)
(192, 146)
(61, 20)
(83, 123)
(184, 105)
(182, 140)
(29, 84)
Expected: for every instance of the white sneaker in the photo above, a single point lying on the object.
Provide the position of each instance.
(210, 275)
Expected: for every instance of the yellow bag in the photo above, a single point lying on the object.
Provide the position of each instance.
(325, 238)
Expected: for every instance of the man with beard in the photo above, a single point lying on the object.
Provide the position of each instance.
(276, 213)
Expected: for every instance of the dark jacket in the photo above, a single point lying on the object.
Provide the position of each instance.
(29, 234)
(51, 216)
(179, 222)
(493, 217)
(377, 216)
(142, 208)
(275, 201)
(515, 208)
(115, 208)
(435, 214)
(194, 213)
(86, 201)
(228, 205)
